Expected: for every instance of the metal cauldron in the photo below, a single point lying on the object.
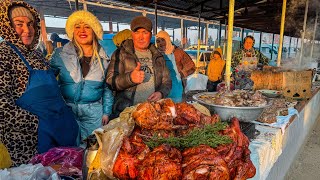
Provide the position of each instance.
(245, 114)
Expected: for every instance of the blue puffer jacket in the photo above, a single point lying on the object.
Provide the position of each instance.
(89, 97)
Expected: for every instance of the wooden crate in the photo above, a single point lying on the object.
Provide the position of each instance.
(293, 84)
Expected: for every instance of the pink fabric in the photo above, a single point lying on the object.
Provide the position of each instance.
(70, 160)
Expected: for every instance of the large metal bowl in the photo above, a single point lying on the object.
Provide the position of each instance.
(245, 114)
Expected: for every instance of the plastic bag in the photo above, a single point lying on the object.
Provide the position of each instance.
(110, 138)
(29, 172)
(65, 160)
(196, 81)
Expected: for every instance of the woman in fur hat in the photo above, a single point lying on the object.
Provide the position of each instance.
(246, 60)
(33, 114)
(82, 66)
(178, 62)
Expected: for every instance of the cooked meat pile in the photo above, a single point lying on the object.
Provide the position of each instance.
(132, 152)
(278, 108)
(164, 118)
(164, 162)
(204, 162)
(237, 154)
(236, 98)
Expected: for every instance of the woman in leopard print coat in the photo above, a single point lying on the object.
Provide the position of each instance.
(19, 127)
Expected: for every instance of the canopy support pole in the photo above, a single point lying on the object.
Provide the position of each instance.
(272, 45)
(199, 36)
(297, 47)
(156, 17)
(172, 35)
(182, 34)
(207, 33)
(85, 7)
(77, 4)
(289, 47)
(314, 32)
(219, 34)
(260, 40)
(303, 31)
(283, 16)
(242, 34)
(229, 49)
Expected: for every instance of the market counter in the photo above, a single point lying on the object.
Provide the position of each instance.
(273, 151)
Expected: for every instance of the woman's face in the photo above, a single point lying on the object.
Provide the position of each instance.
(25, 29)
(248, 44)
(83, 34)
(161, 43)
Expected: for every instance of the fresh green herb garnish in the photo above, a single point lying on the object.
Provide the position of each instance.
(208, 135)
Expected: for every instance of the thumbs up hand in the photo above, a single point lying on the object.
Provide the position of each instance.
(137, 76)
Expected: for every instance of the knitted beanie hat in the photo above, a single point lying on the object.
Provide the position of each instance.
(19, 11)
(83, 16)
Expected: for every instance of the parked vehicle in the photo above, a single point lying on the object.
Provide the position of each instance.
(203, 61)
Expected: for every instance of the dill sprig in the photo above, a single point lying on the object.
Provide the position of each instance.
(208, 135)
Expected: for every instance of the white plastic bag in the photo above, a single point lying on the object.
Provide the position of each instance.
(29, 172)
(110, 138)
(196, 81)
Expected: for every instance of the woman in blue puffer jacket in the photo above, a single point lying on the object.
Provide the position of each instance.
(81, 66)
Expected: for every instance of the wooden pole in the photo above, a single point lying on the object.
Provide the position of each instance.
(229, 49)
(304, 31)
(283, 17)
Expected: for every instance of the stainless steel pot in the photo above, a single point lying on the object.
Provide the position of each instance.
(245, 114)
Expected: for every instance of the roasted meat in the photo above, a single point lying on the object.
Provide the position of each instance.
(155, 115)
(237, 154)
(132, 152)
(188, 113)
(203, 162)
(164, 162)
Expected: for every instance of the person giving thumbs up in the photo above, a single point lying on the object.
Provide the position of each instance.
(137, 76)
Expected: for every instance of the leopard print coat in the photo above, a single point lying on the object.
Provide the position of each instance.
(18, 127)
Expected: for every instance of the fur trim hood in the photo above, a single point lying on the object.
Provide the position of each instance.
(86, 17)
(7, 31)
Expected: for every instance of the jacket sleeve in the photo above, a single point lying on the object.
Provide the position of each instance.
(188, 65)
(117, 78)
(262, 58)
(107, 100)
(166, 80)
(54, 62)
(11, 114)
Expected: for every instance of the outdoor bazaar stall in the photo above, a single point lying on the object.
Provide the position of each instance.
(161, 140)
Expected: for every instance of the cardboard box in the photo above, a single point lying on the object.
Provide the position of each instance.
(293, 84)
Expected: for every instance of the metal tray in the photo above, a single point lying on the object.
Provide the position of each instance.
(244, 114)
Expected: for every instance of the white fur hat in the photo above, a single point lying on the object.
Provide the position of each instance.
(85, 17)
